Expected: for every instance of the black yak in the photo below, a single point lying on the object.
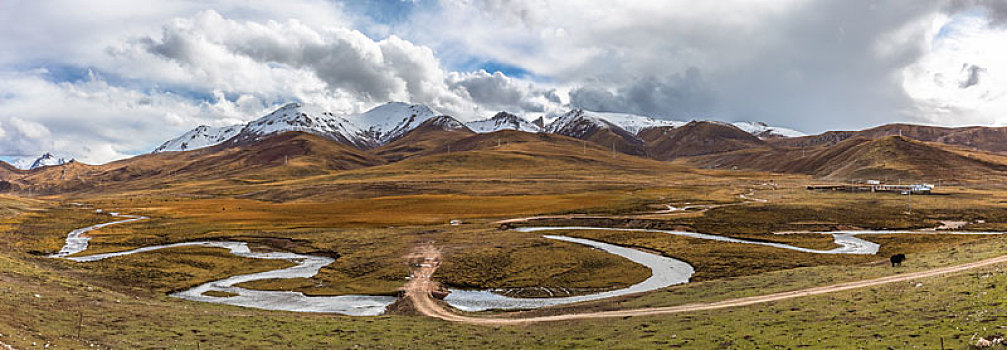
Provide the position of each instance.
(897, 259)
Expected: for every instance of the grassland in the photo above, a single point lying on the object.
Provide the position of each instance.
(370, 235)
(370, 218)
(906, 315)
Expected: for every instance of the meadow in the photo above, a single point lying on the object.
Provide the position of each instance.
(370, 219)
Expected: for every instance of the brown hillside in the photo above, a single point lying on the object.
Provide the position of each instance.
(697, 138)
(890, 157)
(512, 154)
(993, 139)
(8, 171)
(289, 154)
(432, 136)
(603, 133)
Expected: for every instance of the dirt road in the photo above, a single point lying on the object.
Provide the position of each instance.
(691, 210)
(420, 287)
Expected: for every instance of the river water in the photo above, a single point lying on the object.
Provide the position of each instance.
(665, 271)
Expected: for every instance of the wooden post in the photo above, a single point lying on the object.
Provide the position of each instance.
(910, 202)
(80, 323)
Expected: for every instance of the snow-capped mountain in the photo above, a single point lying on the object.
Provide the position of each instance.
(631, 123)
(300, 117)
(201, 136)
(503, 121)
(445, 123)
(634, 123)
(539, 122)
(389, 121)
(578, 123)
(47, 159)
(365, 130)
(764, 131)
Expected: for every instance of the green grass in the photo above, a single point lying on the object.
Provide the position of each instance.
(899, 315)
(124, 301)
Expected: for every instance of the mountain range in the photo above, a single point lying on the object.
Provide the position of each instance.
(300, 140)
(390, 121)
(47, 159)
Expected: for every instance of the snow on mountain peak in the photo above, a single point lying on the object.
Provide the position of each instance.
(386, 122)
(503, 121)
(762, 130)
(575, 123)
(47, 159)
(634, 123)
(389, 121)
(572, 122)
(201, 136)
(307, 118)
(446, 123)
(365, 130)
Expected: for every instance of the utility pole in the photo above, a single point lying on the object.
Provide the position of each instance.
(80, 323)
(613, 149)
(910, 202)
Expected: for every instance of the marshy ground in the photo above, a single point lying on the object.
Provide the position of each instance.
(373, 220)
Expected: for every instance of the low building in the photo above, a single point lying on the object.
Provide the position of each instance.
(903, 189)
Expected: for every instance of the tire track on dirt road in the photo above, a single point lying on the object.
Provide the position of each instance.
(420, 288)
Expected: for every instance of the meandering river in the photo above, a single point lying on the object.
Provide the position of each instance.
(665, 271)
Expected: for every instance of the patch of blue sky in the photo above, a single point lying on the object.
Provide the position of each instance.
(506, 69)
(492, 66)
(388, 12)
(950, 27)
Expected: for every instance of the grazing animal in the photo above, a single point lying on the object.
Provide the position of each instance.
(897, 259)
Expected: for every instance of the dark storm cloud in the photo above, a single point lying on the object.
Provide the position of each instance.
(822, 65)
(499, 92)
(675, 96)
(996, 10)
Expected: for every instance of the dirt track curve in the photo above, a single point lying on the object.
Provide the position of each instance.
(420, 287)
(663, 214)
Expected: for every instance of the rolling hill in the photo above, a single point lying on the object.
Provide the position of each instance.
(697, 138)
(890, 157)
(992, 139)
(432, 136)
(294, 154)
(589, 127)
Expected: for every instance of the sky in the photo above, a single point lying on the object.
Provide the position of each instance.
(103, 80)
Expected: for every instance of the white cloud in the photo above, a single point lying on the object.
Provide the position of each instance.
(810, 65)
(96, 122)
(496, 91)
(962, 79)
(161, 82)
(168, 66)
